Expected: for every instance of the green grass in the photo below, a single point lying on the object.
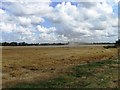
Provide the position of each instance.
(101, 74)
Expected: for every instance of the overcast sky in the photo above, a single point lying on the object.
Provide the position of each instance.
(38, 22)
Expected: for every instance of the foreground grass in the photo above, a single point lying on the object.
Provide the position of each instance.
(101, 74)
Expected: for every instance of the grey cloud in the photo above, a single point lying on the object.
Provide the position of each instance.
(87, 4)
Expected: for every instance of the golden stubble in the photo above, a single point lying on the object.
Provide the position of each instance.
(39, 63)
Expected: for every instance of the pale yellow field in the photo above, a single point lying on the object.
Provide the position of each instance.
(21, 64)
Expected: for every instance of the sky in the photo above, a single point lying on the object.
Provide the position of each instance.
(43, 22)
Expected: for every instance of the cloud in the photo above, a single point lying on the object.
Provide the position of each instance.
(7, 27)
(40, 22)
(79, 22)
(25, 34)
(24, 21)
(27, 8)
(52, 37)
(45, 30)
(36, 19)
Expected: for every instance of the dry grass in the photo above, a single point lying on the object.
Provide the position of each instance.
(21, 64)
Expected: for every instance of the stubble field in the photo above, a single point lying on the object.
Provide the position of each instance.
(46, 67)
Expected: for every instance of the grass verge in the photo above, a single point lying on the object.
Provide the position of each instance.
(101, 74)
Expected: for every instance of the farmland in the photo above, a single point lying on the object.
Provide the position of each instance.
(44, 67)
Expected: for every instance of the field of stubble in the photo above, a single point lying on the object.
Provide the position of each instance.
(46, 67)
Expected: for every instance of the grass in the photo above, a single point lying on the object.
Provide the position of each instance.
(92, 75)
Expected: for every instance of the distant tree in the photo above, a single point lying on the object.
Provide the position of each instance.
(13, 44)
(5, 44)
(0, 44)
(30, 44)
(22, 44)
(117, 43)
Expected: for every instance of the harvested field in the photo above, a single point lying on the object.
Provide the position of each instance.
(39, 64)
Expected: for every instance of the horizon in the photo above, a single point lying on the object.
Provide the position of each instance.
(61, 42)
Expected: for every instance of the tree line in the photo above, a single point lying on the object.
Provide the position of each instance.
(117, 43)
(29, 44)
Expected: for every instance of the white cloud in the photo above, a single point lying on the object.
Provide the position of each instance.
(24, 21)
(84, 21)
(7, 27)
(48, 37)
(22, 30)
(22, 1)
(45, 30)
(36, 20)
(27, 21)
(87, 21)
(1, 11)
(52, 37)
(27, 8)
(24, 34)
